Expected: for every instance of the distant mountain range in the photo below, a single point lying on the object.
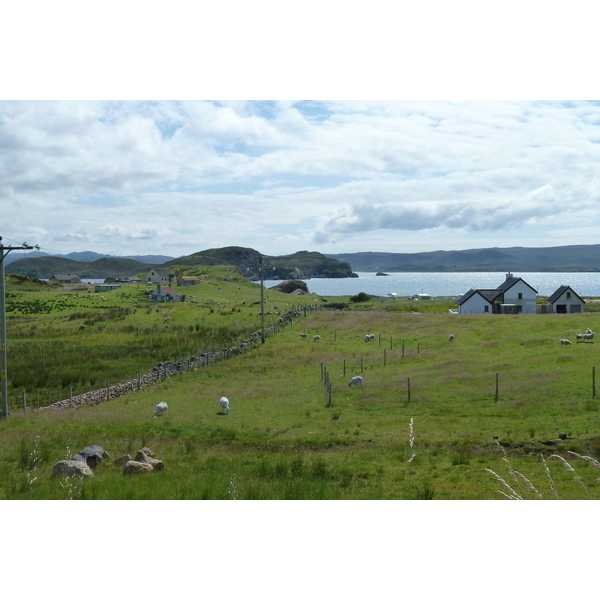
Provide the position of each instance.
(308, 265)
(149, 259)
(554, 259)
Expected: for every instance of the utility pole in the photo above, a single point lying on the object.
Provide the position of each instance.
(262, 299)
(4, 250)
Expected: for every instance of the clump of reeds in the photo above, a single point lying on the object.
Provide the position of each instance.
(71, 484)
(411, 440)
(518, 477)
(35, 459)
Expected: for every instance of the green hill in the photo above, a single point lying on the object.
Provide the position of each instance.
(301, 265)
(45, 267)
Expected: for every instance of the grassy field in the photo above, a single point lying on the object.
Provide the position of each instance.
(427, 423)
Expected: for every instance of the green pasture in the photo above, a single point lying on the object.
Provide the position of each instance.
(427, 423)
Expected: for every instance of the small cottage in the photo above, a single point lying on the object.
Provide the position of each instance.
(565, 301)
(161, 275)
(164, 293)
(188, 281)
(65, 279)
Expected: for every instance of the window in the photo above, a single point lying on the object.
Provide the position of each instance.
(520, 295)
(568, 294)
(486, 308)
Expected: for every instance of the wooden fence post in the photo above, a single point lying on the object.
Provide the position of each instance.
(108, 389)
(70, 397)
(496, 387)
(402, 348)
(593, 382)
(384, 358)
(344, 368)
(24, 402)
(408, 387)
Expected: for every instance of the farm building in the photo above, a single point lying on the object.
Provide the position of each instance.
(106, 287)
(165, 293)
(188, 281)
(564, 300)
(161, 275)
(513, 296)
(66, 279)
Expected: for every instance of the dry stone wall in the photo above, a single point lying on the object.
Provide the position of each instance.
(167, 369)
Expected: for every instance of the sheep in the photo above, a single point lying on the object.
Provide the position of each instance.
(161, 407)
(355, 381)
(367, 338)
(564, 342)
(451, 337)
(303, 335)
(589, 335)
(316, 338)
(224, 404)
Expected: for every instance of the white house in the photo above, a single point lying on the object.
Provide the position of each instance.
(161, 275)
(513, 296)
(564, 300)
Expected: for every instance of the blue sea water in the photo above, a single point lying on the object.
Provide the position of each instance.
(447, 284)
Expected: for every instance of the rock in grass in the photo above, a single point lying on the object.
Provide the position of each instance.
(92, 455)
(122, 459)
(70, 468)
(157, 465)
(133, 466)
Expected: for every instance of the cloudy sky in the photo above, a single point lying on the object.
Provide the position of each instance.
(472, 168)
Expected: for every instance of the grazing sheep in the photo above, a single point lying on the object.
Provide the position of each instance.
(589, 335)
(564, 342)
(161, 407)
(367, 338)
(316, 338)
(224, 404)
(355, 381)
(451, 337)
(304, 335)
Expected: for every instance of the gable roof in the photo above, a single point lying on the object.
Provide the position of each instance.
(560, 291)
(166, 289)
(489, 295)
(163, 271)
(510, 281)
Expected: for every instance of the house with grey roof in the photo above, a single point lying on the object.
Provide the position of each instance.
(512, 296)
(66, 279)
(161, 275)
(565, 301)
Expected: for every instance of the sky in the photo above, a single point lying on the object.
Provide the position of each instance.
(439, 150)
(177, 177)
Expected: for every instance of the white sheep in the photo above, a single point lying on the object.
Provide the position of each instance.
(589, 335)
(355, 381)
(316, 338)
(224, 404)
(451, 337)
(564, 342)
(161, 407)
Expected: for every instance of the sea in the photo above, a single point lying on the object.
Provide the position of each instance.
(447, 284)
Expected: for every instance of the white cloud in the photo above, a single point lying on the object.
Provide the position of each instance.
(145, 176)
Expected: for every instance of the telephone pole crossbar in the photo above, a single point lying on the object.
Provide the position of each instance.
(4, 250)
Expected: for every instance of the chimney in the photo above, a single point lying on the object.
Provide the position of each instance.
(508, 275)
